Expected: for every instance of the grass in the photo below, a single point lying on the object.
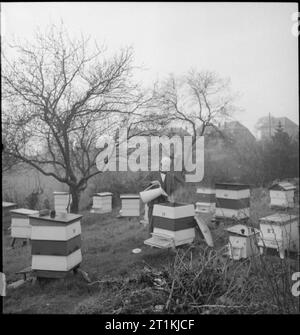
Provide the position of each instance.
(194, 279)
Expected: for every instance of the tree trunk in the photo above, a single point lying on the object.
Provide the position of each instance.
(75, 200)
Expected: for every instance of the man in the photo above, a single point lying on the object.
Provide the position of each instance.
(169, 182)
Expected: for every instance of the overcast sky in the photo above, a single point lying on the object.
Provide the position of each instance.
(250, 43)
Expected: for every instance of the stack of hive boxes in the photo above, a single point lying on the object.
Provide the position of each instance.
(130, 205)
(173, 225)
(206, 200)
(279, 231)
(232, 200)
(102, 202)
(282, 195)
(6, 208)
(62, 202)
(20, 225)
(55, 244)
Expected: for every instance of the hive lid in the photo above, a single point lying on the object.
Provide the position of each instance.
(24, 211)
(278, 218)
(60, 217)
(232, 186)
(8, 204)
(242, 230)
(282, 186)
(102, 194)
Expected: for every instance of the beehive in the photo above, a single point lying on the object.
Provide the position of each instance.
(145, 220)
(206, 200)
(130, 205)
(279, 231)
(282, 195)
(6, 216)
(102, 203)
(173, 225)
(55, 244)
(243, 241)
(62, 202)
(20, 226)
(232, 200)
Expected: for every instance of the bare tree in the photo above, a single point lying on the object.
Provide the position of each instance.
(58, 98)
(198, 100)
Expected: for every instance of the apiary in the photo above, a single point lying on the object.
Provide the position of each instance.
(130, 205)
(232, 200)
(102, 203)
(206, 200)
(20, 226)
(243, 241)
(282, 195)
(6, 215)
(173, 225)
(62, 202)
(55, 244)
(279, 231)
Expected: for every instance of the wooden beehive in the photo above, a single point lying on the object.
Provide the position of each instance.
(279, 231)
(62, 202)
(206, 200)
(243, 241)
(173, 225)
(6, 216)
(130, 205)
(20, 226)
(55, 244)
(102, 202)
(232, 201)
(282, 195)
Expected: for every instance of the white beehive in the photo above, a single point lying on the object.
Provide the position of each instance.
(130, 205)
(102, 203)
(282, 195)
(279, 231)
(62, 202)
(173, 225)
(6, 208)
(145, 220)
(55, 244)
(243, 241)
(232, 200)
(206, 200)
(20, 226)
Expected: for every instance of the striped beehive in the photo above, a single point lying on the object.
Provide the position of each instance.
(62, 202)
(130, 205)
(232, 201)
(279, 231)
(55, 244)
(173, 225)
(206, 200)
(6, 216)
(20, 226)
(282, 195)
(102, 202)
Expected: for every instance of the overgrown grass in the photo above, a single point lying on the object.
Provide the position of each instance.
(194, 279)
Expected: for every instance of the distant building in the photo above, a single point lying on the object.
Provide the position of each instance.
(267, 125)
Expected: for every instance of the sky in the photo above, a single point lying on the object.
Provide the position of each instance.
(251, 43)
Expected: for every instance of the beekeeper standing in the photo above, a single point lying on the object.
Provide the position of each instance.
(169, 182)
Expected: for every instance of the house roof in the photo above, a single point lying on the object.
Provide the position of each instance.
(282, 186)
(242, 230)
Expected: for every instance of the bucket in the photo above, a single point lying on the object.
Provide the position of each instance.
(150, 194)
